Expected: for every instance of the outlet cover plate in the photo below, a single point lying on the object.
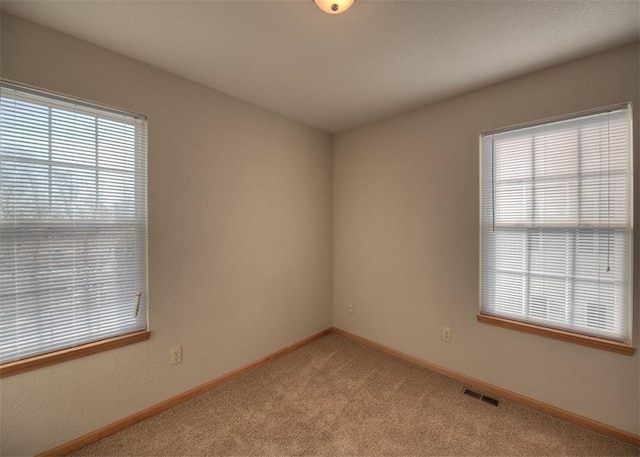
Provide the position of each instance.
(176, 355)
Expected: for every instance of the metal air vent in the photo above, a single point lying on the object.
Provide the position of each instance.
(481, 397)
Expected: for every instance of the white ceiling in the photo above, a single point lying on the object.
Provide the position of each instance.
(336, 72)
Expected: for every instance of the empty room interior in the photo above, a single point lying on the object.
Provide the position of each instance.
(328, 183)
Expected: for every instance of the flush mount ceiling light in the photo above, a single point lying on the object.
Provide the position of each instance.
(334, 6)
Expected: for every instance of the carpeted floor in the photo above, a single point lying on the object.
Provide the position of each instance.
(335, 397)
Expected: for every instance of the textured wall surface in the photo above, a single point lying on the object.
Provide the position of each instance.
(239, 240)
(406, 239)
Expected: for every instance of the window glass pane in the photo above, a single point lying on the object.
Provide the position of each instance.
(556, 224)
(73, 234)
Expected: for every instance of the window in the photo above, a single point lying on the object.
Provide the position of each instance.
(556, 227)
(73, 223)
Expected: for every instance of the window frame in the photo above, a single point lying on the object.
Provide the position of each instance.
(533, 327)
(127, 336)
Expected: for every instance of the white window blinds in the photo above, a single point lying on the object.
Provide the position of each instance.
(557, 224)
(73, 223)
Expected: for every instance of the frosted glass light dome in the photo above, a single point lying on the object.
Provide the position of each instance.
(334, 6)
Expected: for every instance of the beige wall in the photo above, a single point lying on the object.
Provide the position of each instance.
(406, 242)
(239, 240)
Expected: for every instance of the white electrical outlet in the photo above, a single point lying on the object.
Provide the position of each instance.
(446, 334)
(176, 355)
(350, 307)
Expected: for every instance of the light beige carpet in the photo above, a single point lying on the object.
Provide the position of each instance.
(335, 397)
